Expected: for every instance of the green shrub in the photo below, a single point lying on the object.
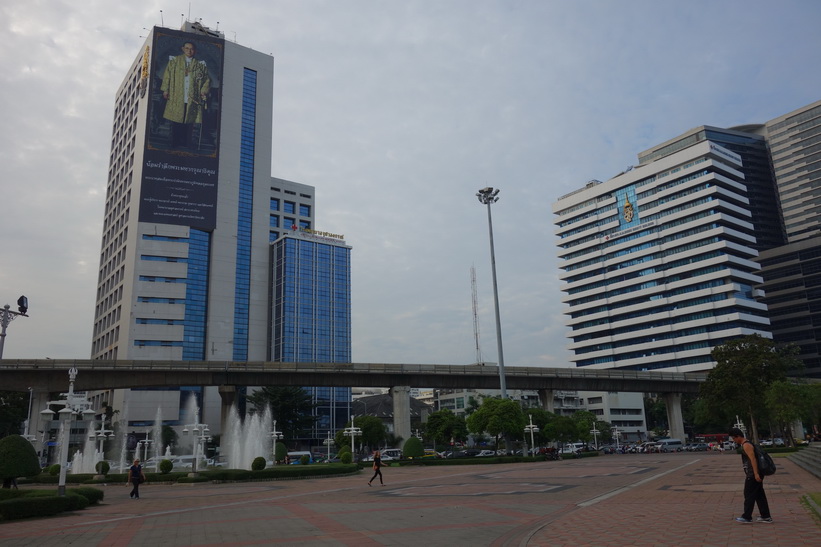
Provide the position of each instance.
(346, 457)
(33, 506)
(166, 466)
(305, 459)
(280, 452)
(102, 467)
(258, 464)
(17, 459)
(54, 469)
(93, 495)
(413, 448)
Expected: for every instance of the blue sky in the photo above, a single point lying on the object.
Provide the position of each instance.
(397, 112)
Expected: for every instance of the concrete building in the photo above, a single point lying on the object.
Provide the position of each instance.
(658, 262)
(190, 212)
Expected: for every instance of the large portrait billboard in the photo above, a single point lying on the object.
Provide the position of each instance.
(179, 184)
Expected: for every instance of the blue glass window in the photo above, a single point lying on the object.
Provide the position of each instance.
(242, 278)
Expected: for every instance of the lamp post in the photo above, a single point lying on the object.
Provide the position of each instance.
(276, 436)
(595, 433)
(100, 435)
(352, 432)
(7, 316)
(72, 403)
(328, 442)
(531, 428)
(200, 434)
(144, 445)
(488, 196)
(616, 432)
(29, 438)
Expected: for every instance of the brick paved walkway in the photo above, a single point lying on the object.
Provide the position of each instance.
(662, 499)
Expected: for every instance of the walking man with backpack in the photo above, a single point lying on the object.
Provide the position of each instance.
(754, 482)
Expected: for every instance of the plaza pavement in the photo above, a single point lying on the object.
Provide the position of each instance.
(631, 499)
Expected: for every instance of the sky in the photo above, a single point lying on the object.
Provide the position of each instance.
(397, 113)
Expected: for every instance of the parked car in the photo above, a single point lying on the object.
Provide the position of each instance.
(485, 453)
(700, 447)
(385, 458)
(766, 442)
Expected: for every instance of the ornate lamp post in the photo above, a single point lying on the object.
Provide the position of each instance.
(100, 435)
(73, 404)
(595, 433)
(200, 433)
(616, 434)
(144, 446)
(352, 432)
(328, 442)
(276, 436)
(487, 196)
(531, 428)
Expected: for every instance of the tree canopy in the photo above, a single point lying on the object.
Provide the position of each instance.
(13, 408)
(498, 417)
(291, 406)
(444, 425)
(373, 433)
(745, 368)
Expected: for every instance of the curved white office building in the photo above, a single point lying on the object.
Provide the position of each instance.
(658, 262)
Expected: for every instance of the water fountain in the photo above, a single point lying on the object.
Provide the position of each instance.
(241, 442)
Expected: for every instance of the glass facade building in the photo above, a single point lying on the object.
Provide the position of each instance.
(311, 316)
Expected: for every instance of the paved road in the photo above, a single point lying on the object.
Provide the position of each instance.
(661, 499)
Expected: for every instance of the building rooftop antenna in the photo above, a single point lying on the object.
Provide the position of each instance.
(162, 21)
(475, 301)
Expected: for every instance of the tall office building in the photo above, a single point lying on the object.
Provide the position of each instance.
(716, 200)
(658, 262)
(792, 272)
(190, 212)
(311, 316)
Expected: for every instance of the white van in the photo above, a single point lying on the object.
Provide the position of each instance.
(670, 445)
(572, 448)
(395, 453)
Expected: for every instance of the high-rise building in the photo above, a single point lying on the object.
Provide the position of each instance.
(191, 210)
(658, 262)
(722, 219)
(792, 272)
(311, 315)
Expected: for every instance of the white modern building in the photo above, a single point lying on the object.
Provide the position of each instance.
(658, 263)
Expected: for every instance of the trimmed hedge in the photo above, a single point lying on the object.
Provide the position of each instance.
(42, 503)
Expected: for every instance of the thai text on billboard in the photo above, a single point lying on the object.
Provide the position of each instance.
(179, 182)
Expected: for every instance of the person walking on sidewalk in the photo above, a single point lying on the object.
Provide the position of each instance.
(377, 468)
(135, 477)
(753, 483)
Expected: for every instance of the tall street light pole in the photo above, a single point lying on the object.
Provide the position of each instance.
(7, 316)
(488, 196)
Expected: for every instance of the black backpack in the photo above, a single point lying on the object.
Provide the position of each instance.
(766, 465)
